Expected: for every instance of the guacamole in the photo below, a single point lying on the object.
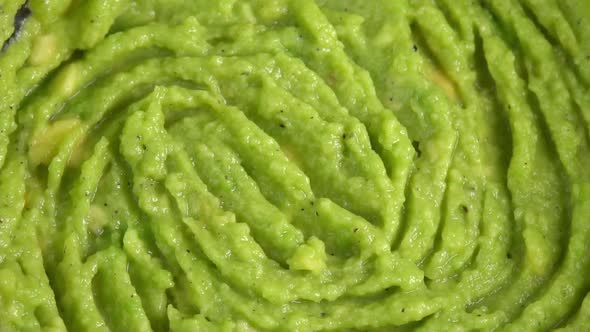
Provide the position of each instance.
(294, 165)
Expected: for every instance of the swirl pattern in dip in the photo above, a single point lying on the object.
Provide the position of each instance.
(274, 165)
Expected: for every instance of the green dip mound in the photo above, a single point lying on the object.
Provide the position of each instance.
(275, 165)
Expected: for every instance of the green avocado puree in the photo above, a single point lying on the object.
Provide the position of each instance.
(294, 165)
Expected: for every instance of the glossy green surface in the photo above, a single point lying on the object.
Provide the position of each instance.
(274, 165)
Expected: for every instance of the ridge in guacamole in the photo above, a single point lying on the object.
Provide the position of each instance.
(275, 165)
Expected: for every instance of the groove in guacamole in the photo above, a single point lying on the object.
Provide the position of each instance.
(276, 165)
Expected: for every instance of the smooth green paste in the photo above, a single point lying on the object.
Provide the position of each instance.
(275, 165)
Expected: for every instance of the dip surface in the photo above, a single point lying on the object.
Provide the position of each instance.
(274, 165)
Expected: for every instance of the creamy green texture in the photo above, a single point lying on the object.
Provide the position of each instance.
(274, 165)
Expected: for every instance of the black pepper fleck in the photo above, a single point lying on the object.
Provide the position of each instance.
(464, 208)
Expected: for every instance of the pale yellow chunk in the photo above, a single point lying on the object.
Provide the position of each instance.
(43, 50)
(291, 155)
(537, 251)
(97, 219)
(384, 37)
(66, 82)
(309, 257)
(448, 87)
(272, 11)
(45, 143)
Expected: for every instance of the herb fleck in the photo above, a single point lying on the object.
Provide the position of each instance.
(416, 146)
